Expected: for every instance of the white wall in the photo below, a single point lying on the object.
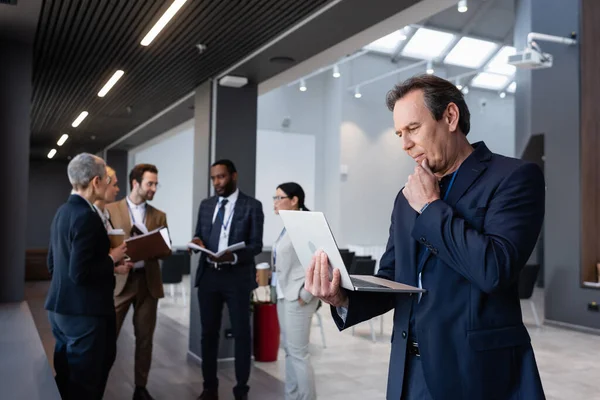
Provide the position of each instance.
(172, 153)
(282, 157)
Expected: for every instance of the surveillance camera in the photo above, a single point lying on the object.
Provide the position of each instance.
(483, 102)
(201, 48)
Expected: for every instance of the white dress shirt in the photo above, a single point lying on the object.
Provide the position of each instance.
(137, 214)
(227, 218)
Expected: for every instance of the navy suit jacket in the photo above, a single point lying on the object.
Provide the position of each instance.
(82, 272)
(472, 340)
(246, 226)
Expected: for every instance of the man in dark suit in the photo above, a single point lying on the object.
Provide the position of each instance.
(463, 227)
(80, 300)
(228, 218)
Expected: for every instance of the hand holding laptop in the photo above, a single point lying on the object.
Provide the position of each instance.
(318, 284)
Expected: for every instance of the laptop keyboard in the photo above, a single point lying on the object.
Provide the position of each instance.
(365, 284)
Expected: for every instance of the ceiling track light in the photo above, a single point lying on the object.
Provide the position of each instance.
(465, 90)
(430, 69)
(79, 119)
(462, 6)
(502, 95)
(336, 71)
(62, 139)
(162, 22)
(111, 82)
(357, 93)
(302, 85)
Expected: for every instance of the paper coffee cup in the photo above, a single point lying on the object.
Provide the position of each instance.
(117, 237)
(263, 270)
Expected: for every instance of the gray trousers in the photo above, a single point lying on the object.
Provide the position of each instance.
(294, 322)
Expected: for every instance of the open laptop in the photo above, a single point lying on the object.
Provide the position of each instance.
(309, 232)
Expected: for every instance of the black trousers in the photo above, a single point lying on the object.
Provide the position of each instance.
(84, 353)
(232, 286)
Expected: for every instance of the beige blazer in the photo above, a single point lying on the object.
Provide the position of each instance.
(290, 272)
(119, 216)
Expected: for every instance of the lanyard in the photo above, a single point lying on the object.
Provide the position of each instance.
(133, 217)
(225, 224)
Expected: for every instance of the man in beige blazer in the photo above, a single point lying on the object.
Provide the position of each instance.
(142, 286)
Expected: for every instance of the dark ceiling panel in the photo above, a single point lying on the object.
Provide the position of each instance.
(81, 43)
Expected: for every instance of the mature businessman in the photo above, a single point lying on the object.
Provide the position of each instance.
(80, 298)
(462, 228)
(229, 217)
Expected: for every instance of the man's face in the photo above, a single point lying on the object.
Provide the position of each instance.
(112, 190)
(147, 189)
(423, 138)
(223, 182)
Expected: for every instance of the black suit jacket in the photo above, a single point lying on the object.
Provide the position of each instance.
(82, 271)
(472, 340)
(246, 226)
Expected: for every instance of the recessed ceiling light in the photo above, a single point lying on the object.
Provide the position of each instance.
(470, 52)
(79, 119)
(427, 44)
(62, 139)
(499, 64)
(388, 43)
(162, 22)
(51, 153)
(487, 80)
(111, 82)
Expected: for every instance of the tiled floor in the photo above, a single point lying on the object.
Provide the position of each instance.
(353, 367)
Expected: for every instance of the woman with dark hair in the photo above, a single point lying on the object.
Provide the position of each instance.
(295, 306)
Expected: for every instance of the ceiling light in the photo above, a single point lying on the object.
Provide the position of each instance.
(502, 95)
(462, 6)
(233, 81)
(79, 119)
(111, 82)
(164, 20)
(470, 53)
(427, 44)
(62, 139)
(389, 43)
(430, 69)
(336, 71)
(357, 93)
(302, 86)
(51, 153)
(459, 86)
(499, 64)
(487, 80)
(465, 90)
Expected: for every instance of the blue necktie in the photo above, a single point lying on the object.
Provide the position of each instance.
(215, 231)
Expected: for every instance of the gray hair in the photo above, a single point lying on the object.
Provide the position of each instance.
(83, 168)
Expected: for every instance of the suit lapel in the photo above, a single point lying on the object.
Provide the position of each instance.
(151, 222)
(125, 220)
(237, 212)
(468, 172)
